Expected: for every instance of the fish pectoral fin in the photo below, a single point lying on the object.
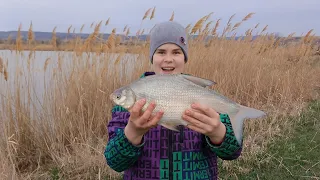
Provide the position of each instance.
(199, 81)
(172, 127)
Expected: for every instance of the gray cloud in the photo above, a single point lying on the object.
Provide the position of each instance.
(283, 16)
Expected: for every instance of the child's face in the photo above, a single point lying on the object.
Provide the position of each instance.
(168, 59)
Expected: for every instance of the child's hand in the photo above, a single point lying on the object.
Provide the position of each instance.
(205, 120)
(139, 123)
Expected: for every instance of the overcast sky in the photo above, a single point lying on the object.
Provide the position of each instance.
(281, 16)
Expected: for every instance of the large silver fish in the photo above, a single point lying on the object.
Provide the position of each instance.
(175, 93)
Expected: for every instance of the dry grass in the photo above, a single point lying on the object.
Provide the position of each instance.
(67, 137)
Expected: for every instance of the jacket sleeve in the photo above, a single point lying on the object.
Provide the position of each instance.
(229, 149)
(120, 154)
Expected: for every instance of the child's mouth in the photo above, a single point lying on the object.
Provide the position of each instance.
(168, 69)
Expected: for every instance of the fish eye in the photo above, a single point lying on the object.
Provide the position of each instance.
(118, 96)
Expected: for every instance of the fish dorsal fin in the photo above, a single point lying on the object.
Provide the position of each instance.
(199, 81)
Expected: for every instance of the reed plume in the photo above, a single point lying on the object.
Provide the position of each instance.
(153, 13)
(146, 13)
(172, 16)
(107, 22)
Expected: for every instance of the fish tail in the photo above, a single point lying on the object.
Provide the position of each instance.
(237, 119)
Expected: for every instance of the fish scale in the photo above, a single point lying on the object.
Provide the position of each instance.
(175, 93)
(171, 106)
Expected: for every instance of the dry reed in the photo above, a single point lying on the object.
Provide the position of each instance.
(172, 17)
(67, 136)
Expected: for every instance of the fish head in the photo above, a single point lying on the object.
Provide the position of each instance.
(124, 97)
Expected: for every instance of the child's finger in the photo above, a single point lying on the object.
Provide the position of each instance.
(154, 121)
(135, 110)
(146, 115)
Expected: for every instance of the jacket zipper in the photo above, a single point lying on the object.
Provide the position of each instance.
(170, 149)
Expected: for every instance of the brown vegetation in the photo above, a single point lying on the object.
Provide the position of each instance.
(68, 136)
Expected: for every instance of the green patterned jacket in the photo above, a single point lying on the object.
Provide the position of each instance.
(165, 154)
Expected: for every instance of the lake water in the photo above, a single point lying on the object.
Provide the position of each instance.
(18, 63)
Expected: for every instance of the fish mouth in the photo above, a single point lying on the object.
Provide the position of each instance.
(111, 97)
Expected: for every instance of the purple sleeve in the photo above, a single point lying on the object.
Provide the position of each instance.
(120, 154)
(229, 149)
(119, 120)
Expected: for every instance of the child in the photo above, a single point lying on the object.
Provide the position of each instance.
(145, 150)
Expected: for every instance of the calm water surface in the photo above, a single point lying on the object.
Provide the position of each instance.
(38, 79)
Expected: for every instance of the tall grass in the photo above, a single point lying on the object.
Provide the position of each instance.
(67, 137)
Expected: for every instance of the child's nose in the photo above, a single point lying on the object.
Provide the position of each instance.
(168, 58)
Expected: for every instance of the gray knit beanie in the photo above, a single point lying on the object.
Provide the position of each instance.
(168, 32)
